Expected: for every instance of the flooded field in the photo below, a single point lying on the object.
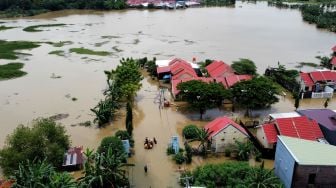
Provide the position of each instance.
(264, 34)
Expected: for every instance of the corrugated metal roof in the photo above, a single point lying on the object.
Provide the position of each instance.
(307, 152)
(219, 69)
(270, 133)
(322, 116)
(284, 115)
(233, 79)
(306, 79)
(162, 69)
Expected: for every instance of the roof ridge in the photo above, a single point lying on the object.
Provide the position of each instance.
(294, 125)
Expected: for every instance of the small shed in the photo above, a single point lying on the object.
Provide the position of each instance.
(304, 163)
(224, 133)
(73, 158)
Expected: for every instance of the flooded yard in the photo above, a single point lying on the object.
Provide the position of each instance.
(217, 33)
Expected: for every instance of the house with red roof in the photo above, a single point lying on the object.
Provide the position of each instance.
(298, 127)
(334, 49)
(176, 69)
(219, 69)
(224, 133)
(318, 84)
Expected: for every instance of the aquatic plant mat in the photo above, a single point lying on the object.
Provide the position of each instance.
(89, 52)
(7, 48)
(11, 70)
(35, 28)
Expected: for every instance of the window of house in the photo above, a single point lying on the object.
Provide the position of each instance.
(311, 178)
(306, 88)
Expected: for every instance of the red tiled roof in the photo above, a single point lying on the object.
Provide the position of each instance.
(322, 76)
(333, 60)
(233, 79)
(179, 66)
(333, 48)
(219, 69)
(270, 133)
(306, 79)
(221, 123)
(162, 69)
(299, 127)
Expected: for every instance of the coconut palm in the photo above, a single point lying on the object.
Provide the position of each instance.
(203, 136)
(245, 150)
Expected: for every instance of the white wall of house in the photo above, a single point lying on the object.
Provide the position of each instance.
(262, 138)
(227, 137)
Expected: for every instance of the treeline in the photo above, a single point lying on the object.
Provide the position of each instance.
(218, 2)
(319, 15)
(31, 7)
(322, 13)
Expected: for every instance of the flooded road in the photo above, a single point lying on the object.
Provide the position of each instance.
(264, 34)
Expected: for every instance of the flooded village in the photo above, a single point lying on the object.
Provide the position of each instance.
(186, 95)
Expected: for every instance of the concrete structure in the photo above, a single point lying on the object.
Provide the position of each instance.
(298, 127)
(326, 119)
(224, 132)
(303, 163)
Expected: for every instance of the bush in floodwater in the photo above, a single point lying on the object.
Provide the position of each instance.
(190, 131)
(170, 150)
(179, 158)
(34, 28)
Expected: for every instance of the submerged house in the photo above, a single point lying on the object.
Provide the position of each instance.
(297, 126)
(73, 158)
(317, 84)
(176, 69)
(224, 133)
(304, 163)
(326, 119)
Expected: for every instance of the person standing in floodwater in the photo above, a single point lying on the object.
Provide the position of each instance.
(154, 140)
(145, 168)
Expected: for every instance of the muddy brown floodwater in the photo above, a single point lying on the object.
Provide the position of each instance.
(264, 34)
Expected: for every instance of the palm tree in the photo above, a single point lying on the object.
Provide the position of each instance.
(62, 180)
(245, 150)
(262, 178)
(106, 170)
(203, 136)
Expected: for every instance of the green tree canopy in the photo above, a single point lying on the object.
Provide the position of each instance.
(190, 131)
(244, 66)
(202, 96)
(233, 174)
(111, 142)
(260, 92)
(44, 140)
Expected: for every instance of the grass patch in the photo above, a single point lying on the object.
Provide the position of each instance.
(35, 28)
(57, 52)
(62, 43)
(308, 64)
(99, 44)
(11, 70)
(2, 27)
(7, 48)
(109, 37)
(115, 48)
(89, 52)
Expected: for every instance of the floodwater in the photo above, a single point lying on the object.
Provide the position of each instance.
(264, 34)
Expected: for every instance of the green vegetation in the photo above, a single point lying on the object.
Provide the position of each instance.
(61, 43)
(325, 61)
(57, 52)
(123, 135)
(233, 174)
(179, 158)
(129, 119)
(190, 131)
(43, 140)
(202, 96)
(108, 169)
(320, 16)
(260, 92)
(302, 64)
(11, 70)
(35, 28)
(2, 27)
(245, 150)
(218, 2)
(41, 174)
(286, 78)
(33, 7)
(89, 52)
(7, 48)
(244, 66)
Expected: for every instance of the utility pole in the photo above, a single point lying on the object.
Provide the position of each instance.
(186, 180)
